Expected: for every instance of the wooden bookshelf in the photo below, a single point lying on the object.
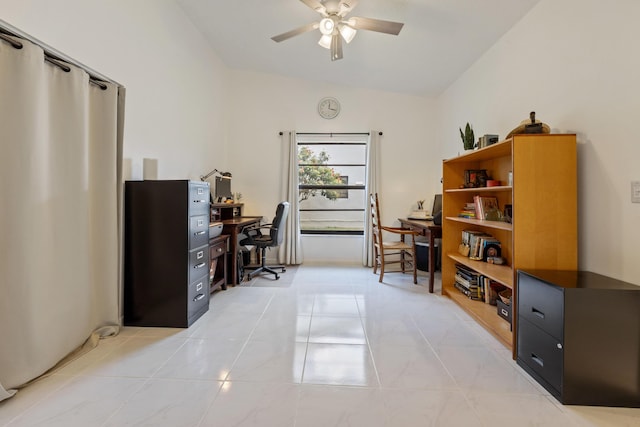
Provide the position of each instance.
(543, 232)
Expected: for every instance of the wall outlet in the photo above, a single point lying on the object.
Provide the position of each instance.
(635, 191)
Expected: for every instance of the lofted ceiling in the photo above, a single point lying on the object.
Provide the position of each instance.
(439, 41)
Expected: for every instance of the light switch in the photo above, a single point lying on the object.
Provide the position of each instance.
(635, 191)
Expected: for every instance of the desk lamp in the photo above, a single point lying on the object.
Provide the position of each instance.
(225, 175)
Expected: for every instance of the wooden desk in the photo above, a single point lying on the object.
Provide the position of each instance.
(430, 230)
(232, 227)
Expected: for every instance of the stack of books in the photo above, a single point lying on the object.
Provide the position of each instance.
(469, 211)
(466, 281)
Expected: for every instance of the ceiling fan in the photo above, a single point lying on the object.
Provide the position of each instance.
(334, 25)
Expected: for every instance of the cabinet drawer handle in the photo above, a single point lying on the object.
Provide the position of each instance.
(537, 312)
(200, 254)
(219, 249)
(538, 360)
(202, 264)
(504, 312)
(198, 297)
(200, 201)
(199, 233)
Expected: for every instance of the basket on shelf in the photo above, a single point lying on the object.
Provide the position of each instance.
(505, 296)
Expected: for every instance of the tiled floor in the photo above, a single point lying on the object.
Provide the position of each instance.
(322, 346)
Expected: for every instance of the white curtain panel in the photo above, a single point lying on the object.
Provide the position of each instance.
(59, 249)
(290, 252)
(373, 177)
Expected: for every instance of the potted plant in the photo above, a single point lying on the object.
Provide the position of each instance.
(468, 139)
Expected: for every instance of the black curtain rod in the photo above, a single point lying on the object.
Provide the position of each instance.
(331, 133)
(51, 59)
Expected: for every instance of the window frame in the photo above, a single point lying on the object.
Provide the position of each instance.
(324, 140)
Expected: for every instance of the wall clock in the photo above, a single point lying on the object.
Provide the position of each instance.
(328, 108)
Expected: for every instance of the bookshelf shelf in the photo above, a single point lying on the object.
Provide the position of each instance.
(500, 225)
(482, 313)
(544, 230)
(500, 273)
(480, 189)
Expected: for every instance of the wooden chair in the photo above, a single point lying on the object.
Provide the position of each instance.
(406, 251)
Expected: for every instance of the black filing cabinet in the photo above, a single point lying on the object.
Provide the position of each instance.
(579, 336)
(166, 254)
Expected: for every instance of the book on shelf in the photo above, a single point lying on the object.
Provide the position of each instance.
(484, 204)
(469, 214)
(470, 284)
(486, 244)
(469, 211)
(489, 289)
(469, 293)
(464, 247)
(468, 271)
(475, 245)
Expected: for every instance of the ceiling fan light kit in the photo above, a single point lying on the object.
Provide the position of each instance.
(334, 27)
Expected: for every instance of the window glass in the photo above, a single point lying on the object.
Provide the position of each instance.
(332, 175)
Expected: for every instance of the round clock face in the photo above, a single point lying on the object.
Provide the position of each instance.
(328, 108)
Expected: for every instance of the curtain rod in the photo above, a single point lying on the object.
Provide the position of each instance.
(52, 55)
(331, 133)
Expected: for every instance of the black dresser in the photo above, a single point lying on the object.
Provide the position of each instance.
(166, 254)
(579, 336)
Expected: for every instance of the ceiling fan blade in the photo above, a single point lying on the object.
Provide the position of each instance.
(297, 31)
(376, 25)
(316, 5)
(336, 47)
(347, 6)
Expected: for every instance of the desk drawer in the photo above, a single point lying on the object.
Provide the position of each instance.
(541, 304)
(218, 249)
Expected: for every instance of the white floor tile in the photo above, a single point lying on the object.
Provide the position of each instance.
(166, 403)
(336, 330)
(246, 404)
(339, 364)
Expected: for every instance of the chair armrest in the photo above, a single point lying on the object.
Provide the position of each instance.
(398, 230)
(254, 229)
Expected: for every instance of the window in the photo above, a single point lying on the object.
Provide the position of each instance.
(332, 176)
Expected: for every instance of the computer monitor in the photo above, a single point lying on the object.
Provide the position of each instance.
(437, 204)
(223, 189)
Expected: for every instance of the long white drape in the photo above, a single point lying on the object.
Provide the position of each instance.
(373, 177)
(291, 252)
(59, 210)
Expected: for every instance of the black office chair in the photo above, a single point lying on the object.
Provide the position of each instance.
(255, 237)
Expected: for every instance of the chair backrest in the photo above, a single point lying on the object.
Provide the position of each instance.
(277, 230)
(375, 219)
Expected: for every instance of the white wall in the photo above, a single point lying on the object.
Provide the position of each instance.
(263, 105)
(175, 83)
(574, 62)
